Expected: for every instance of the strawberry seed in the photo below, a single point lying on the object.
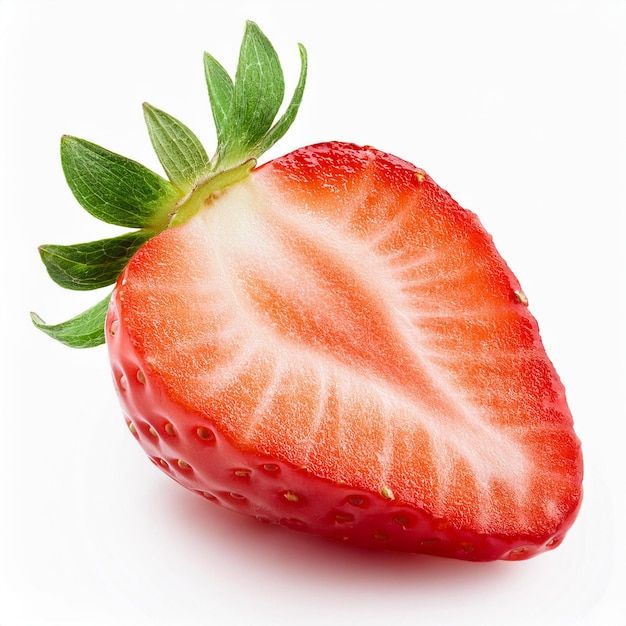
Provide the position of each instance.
(517, 554)
(204, 433)
(387, 493)
(521, 297)
(290, 496)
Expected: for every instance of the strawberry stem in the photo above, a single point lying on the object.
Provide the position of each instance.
(205, 191)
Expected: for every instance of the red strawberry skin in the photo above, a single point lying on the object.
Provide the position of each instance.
(191, 440)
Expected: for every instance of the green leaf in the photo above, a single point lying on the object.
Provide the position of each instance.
(85, 266)
(113, 188)
(257, 95)
(283, 124)
(83, 331)
(180, 152)
(220, 88)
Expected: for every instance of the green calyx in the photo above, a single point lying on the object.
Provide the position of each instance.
(120, 191)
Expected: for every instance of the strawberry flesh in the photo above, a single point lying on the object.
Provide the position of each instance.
(335, 345)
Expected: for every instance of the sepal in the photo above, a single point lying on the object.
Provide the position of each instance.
(86, 330)
(220, 87)
(113, 188)
(180, 152)
(244, 111)
(85, 266)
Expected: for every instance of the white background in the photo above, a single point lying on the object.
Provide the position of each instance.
(518, 109)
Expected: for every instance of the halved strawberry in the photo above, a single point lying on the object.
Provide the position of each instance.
(331, 343)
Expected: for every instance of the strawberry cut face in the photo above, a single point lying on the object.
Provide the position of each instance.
(338, 317)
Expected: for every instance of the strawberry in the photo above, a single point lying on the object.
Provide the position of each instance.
(328, 341)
